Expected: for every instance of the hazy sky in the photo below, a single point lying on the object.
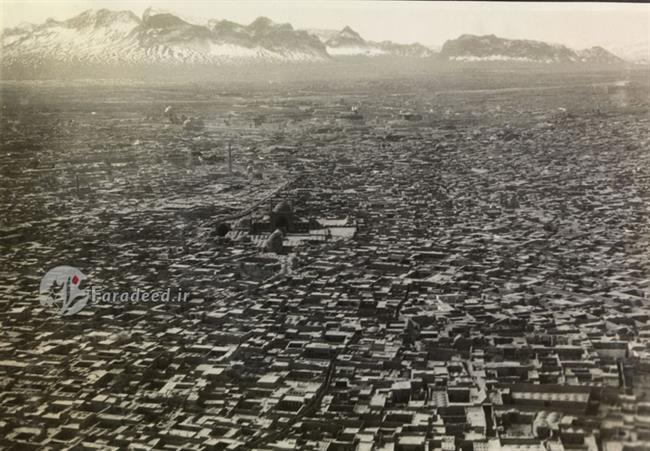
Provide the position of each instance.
(431, 23)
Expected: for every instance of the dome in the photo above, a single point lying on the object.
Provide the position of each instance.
(283, 207)
(274, 242)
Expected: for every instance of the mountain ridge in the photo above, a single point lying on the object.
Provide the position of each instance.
(348, 42)
(122, 39)
(469, 47)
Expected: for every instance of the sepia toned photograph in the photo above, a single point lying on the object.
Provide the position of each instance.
(324, 225)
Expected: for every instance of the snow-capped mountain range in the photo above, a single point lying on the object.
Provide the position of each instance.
(492, 48)
(348, 42)
(106, 38)
(121, 37)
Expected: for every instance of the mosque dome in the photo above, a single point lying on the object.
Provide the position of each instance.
(274, 242)
(283, 208)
